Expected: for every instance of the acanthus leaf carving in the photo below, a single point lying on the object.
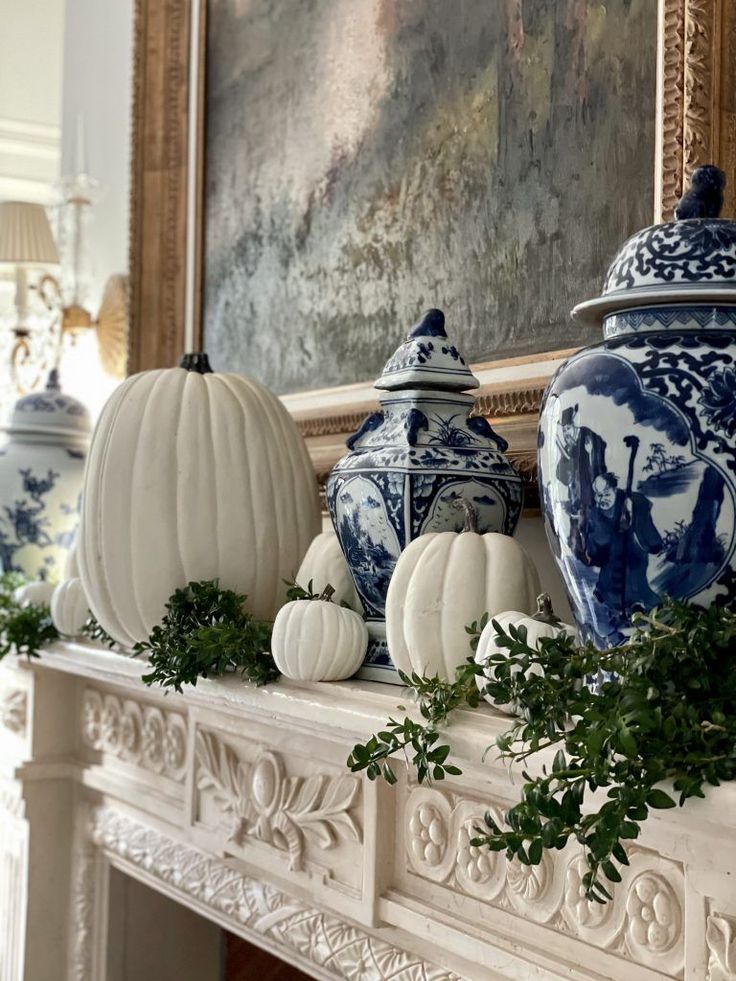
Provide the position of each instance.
(279, 810)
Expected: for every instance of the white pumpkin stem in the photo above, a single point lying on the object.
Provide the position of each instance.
(327, 593)
(471, 515)
(545, 613)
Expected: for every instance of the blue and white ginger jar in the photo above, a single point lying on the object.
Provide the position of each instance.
(41, 470)
(637, 441)
(408, 465)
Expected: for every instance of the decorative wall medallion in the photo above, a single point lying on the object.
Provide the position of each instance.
(14, 710)
(720, 937)
(643, 922)
(258, 910)
(283, 811)
(142, 735)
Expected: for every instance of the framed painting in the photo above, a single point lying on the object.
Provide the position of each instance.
(308, 177)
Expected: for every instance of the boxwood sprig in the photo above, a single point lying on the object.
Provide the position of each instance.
(206, 632)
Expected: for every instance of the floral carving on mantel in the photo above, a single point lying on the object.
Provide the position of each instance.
(264, 803)
(143, 735)
(720, 938)
(643, 923)
(14, 710)
(256, 909)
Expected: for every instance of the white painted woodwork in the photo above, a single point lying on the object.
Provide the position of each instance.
(235, 803)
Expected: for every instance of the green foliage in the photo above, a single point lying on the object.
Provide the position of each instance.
(23, 630)
(95, 631)
(206, 633)
(297, 592)
(436, 700)
(669, 715)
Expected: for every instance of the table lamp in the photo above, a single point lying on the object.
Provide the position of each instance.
(25, 240)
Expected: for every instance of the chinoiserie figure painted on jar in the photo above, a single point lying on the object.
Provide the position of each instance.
(408, 465)
(637, 441)
(41, 473)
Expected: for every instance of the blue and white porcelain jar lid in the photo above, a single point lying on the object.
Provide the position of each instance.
(427, 359)
(50, 413)
(689, 260)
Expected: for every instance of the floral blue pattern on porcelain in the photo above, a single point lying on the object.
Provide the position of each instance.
(408, 464)
(41, 473)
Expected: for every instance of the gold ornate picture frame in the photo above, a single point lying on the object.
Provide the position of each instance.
(696, 123)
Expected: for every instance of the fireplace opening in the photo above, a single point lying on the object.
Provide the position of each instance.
(154, 938)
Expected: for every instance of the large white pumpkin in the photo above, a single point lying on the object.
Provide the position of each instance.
(69, 608)
(316, 640)
(325, 565)
(444, 581)
(192, 475)
(543, 623)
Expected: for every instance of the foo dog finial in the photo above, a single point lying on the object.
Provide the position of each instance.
(704, 197)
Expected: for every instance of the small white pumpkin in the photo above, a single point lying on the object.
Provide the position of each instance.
(36, 593)
(192, 475)
(316, 640)
(543, 623)
(69, 607)
(323, 565)
(444, 581)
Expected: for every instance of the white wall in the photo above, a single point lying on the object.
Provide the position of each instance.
(97, 88)
(30, 97)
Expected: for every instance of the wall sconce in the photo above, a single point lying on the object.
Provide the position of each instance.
(26, 240)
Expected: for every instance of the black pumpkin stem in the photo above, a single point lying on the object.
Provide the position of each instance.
(196, 361)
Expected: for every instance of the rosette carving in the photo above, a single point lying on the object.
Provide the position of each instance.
(643, 922)
(265, 803)
(142, 735)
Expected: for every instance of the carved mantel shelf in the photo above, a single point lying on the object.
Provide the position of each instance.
(235, 802)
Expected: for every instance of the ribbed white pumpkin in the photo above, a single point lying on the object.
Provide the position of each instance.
(542, 624)
(444, 581)
(325, 565)
(192, 475)
(69, 607)
(315, 640)
(36, 593)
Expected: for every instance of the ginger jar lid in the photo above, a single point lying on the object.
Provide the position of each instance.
(689, 260)
(427, 359)
(50, 413)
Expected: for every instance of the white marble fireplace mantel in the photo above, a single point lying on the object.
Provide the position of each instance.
(235, 802)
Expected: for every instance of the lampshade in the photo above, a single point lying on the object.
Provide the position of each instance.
(25, 234)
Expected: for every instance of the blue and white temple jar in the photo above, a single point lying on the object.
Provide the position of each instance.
(409, 463)
(41, 471)
(637, 442)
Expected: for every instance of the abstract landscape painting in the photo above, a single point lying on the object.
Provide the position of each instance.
(367, 159)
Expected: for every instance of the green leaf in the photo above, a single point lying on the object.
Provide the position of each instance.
(659, 799)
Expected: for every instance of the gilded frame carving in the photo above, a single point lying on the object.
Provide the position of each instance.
(696, 123)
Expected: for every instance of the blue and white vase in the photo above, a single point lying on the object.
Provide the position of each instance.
(637, 441)
(408, 464)
(41, 471)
